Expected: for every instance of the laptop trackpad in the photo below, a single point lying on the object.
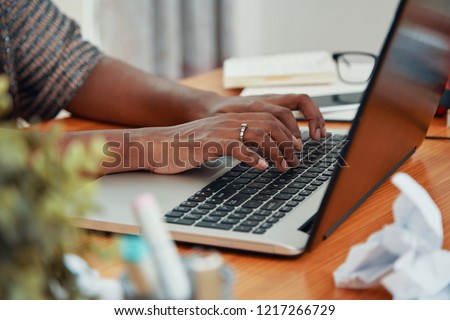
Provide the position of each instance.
(115, 192)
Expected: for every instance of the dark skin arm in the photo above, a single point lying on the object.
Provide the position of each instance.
(118, 93)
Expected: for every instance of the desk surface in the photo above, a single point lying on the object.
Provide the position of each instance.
(310, 275)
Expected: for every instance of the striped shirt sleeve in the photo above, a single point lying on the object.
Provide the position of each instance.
(50, 59)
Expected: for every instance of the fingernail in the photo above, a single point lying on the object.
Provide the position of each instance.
(284, 165)
(297, 143)
(262, 164)
(318, 133)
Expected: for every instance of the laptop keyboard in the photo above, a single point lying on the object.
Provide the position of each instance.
(248, 200)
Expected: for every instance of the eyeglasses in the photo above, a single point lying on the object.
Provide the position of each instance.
(355, 67)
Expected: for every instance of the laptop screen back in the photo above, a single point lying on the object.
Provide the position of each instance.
(396, 110)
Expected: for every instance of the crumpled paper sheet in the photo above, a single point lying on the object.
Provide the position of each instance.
(406, 256)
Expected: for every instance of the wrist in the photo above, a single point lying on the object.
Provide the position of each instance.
(203, 105)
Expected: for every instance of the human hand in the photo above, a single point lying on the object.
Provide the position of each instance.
(279, 106)
(179, 148)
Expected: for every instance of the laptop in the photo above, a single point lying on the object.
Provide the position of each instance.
(230, 205)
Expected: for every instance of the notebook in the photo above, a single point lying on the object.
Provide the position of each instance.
(390, 125)
(312, 67)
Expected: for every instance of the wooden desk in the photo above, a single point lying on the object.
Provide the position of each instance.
(310, 276)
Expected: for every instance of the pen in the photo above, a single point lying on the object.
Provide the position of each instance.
(174, 279)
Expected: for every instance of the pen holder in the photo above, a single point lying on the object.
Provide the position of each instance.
(209, 278)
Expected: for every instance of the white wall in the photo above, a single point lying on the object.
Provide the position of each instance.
(275, 26)
(297, 25)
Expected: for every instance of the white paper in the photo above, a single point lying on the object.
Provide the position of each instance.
(406, 256)
(330, 113)
(89, 282)
(312, 90)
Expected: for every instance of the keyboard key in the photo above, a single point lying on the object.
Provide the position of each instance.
(253, 204)
(249, 175)
(218, 214)
(237, 216)
(256, 185)
(271, 175)
(242, 180)
(262, 197)
(266, 225)
(303, 180)
(179, 221)
(256, 218)
(226, 179)
(213, 201)
(230, 221)
(304, 193)
(279, 215)
(189, 204)
(221, 226)
(264, 213)
(182, 209)
(260, 231)
(197, 199)
(297, 185)
(214, 186)
(283, 196)
(286, 209)
(283, 180)
(175, 214)
(225, 208)
(322, 178)
(248, 223)
(200, 211)
(293, 203)
(290, 190)
(298, 198)
(232, 174)
(263, 180)
(268, 191)
(240, 168)
(211, 219)
(244, 210)
(224, 194)
(310, 174)
(207, 206)
(242, 229)
(271, 221)
(191, 216)
(310, 188)
(249, 191)
(237, 200)
(277, 185)
(272, 205)
(316, 170)
(203, 194)
(235, 186)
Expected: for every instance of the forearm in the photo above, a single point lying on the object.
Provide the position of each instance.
(117, 152)
(118, 93)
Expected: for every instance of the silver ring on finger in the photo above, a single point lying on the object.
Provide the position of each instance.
(244, 127)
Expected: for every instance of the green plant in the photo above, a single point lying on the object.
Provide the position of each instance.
(40, 190)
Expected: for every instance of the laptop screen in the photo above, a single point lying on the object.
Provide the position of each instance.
(395, 112)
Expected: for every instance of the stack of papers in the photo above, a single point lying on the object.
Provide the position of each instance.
(331, 112)
(313, 67)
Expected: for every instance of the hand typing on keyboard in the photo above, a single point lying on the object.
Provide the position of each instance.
(255, 130)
